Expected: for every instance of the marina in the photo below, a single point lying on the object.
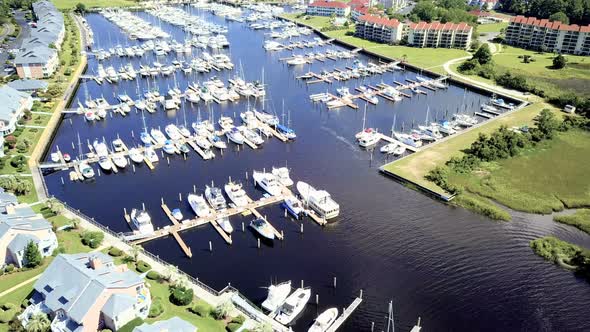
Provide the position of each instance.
(387, 240)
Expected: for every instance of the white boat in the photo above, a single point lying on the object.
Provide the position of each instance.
(86, 170)
(249, 118)
(203, 142)
(282, 174)
(172, 132)
(192, 96)
(145, 138)
(177, 214)
(293, 206)
(158, 136)
(102, 152)
(118, 145)
(142, 221)
(293, 306)
(215, 198)
(251, 135)
(319, 200)
(184, 131)
(389, 148)
(267, 118)
(236, 194)
(199, 205)
(89, 115)
(369, 139)
(268, 182)
(409, 139)
(431, 131)
(225, 122)
(324, 320)
(277, 294)
(135, 155)
(169, 147)
(263, 228)
(216, 141)
(297, 60)
(151, 155)
(235, 136)
(119, 160)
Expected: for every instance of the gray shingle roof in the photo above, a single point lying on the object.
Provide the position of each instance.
(75, 286)
(10, 101)
(173, 324)
(21, 241)
(6, 199)
(25, 85)
(116, 304)
(37, 54)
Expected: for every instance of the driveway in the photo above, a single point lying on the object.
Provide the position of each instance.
(25, 32)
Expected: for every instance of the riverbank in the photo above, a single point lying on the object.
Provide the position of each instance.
(564, 254)
(70, 4)
(580, 219)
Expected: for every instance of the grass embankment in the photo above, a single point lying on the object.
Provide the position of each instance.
(565, 254)
(580, 219)
(544, 178)
(492, 27)
(427, 58)
(69, 4)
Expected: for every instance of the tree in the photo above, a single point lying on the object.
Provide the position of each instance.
(560, 16)
(263, 327)
(55, 206)
(546, 123)
(38, 323)
(559, 62)
(80, 8)
(483, 54)
(135, 249)
(223, 310)
(32, 255)
(180, 295)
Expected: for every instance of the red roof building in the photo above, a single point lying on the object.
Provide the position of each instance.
(437, 34)
(327, 8)
(379, 29)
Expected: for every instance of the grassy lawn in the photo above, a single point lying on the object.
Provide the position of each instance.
(160, 290)
(492, 27)
(417, 165)
(545, 178)
(68, 4)
(10, 280)
(428, 58)
(580, 219)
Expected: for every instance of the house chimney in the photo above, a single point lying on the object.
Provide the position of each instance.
(95, 263)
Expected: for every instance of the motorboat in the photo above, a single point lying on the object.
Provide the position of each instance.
(89, 115)
(297, 60)
(282, 175)
(389, 148)
(465, 120)
(268, 182)
(135, 155)
(293, 206)
(67, 157)
(177, 214)
(409, 139)
(192, 96)
(277, 294)
(263, 228)
(183, 148)
(293, 305)
(142, 221)
(183, 130)
(225, 224)
(203, 142)
(369, 139)
(158, 136)
(118, 145)
(169, 147)
(249, 118)
(225, 122)
(172, 132)
(399, 150)
(216, 141)
(431, 131)
(324, 320)
(236, 194)
(145, 137)
(86, 170)
(199, 205)
(119, 160)
(151, 155)
(235, 136)
(319, 200)
(215, 198)
(251, 135)
(267, 118)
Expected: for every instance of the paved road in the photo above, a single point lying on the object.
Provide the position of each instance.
(25, 32)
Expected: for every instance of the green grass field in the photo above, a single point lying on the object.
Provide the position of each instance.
(545, 178)
(492, 27)
(580, 219)
(68, 4)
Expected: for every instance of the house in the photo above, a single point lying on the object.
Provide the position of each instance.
(379, 29)
(36, 62)
(484, 4)
(19, 225)
(173, 324)
(443, 35)
(552, 36)
(328, 8)
(29, 86)
(87, 292)
(6, 199)
(14, 103)
(393, 3)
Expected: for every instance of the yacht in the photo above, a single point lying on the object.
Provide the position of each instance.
(215, 198)
(203, 142)
(89, 115)
(119, 160)
(225, 224)
(216, 141)
(409, 139)
(169, 147)
(251, 135)
(183, 130)
(319, 200)
(268, 182)
(235, 136)
(192, 96)
(199, 205)
(158, 136)
(431, 131)
(282, 174)
(151, 155)
(249, 118)
(297, 60)
(118, 145)
(263, 228)
(293, 206)
(102, 152)
(324, 320)
(267, 118)
(389, 148)
(135, 155)
(293, 306)
(286, 131)
(465, 120)
(225, 122)
(277, 294)
(145, 137)
(142, 221)
(172, 132)
(236, 194)
(369, 139)
(86, 170)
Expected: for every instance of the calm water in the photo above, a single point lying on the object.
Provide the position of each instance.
(457, 270)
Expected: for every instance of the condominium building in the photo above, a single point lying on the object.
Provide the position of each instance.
(553, 36)
(14, 104)
(484, 4)
(379, 29)
(327, 8)
(440, 35)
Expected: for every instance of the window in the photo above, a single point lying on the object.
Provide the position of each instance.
(62, 300)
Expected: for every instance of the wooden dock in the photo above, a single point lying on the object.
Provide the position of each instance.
(183, 246)
(345, 314)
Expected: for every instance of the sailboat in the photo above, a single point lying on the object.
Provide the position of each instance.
(286, 130)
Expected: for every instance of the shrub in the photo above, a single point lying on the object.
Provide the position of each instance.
(92, 239)
(232, 327)
(24, 303)
(201, 310)
(559, 62)
(143, 267)
(115, 252)
(180, 295)
(238, 319)
(68, 72)
(7, 311)
(10, 141)
(18, 160)
(153, 275)
(156, 309)
(9, 268)
(223, 310)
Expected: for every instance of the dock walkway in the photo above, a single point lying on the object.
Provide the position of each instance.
(345, 314)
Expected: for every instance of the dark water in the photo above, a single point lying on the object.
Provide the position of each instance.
(457, 270)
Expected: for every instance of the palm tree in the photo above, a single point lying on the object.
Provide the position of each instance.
(38, 323)
(135, 250)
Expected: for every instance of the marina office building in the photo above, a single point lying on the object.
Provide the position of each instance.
(327, 8)
(553, 36)
(440, 35)
(379, 29)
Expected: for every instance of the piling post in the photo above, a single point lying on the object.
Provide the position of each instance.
(317, 299)
(372, 326)
(132, 134)
(285, 212)
(133, 167)
(142, 205)
(361, 294)
(210, 247)
(98, 172)
(73, 146)
(168, 160)
(334, 282)
(125, 211)
(243, 228)
(301, 283)
(246, 175)
(180, 197)
(194, 188)
(301, 230)
(62, 181)
(258, 243)
(162, 200)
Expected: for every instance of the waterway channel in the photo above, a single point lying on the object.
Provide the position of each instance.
(456, 270)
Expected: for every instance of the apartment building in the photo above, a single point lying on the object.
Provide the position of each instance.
(327, 8)
(14, 104)
(440, 35)
(554, 36)
(379, 29)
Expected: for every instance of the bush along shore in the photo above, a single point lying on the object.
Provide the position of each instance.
(565, 254)
(580, 219)
(486, 170)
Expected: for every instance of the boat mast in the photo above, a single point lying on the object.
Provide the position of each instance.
(283, 114)
(393, 125)
(390, 321)
(143, 120)
(364, 116)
